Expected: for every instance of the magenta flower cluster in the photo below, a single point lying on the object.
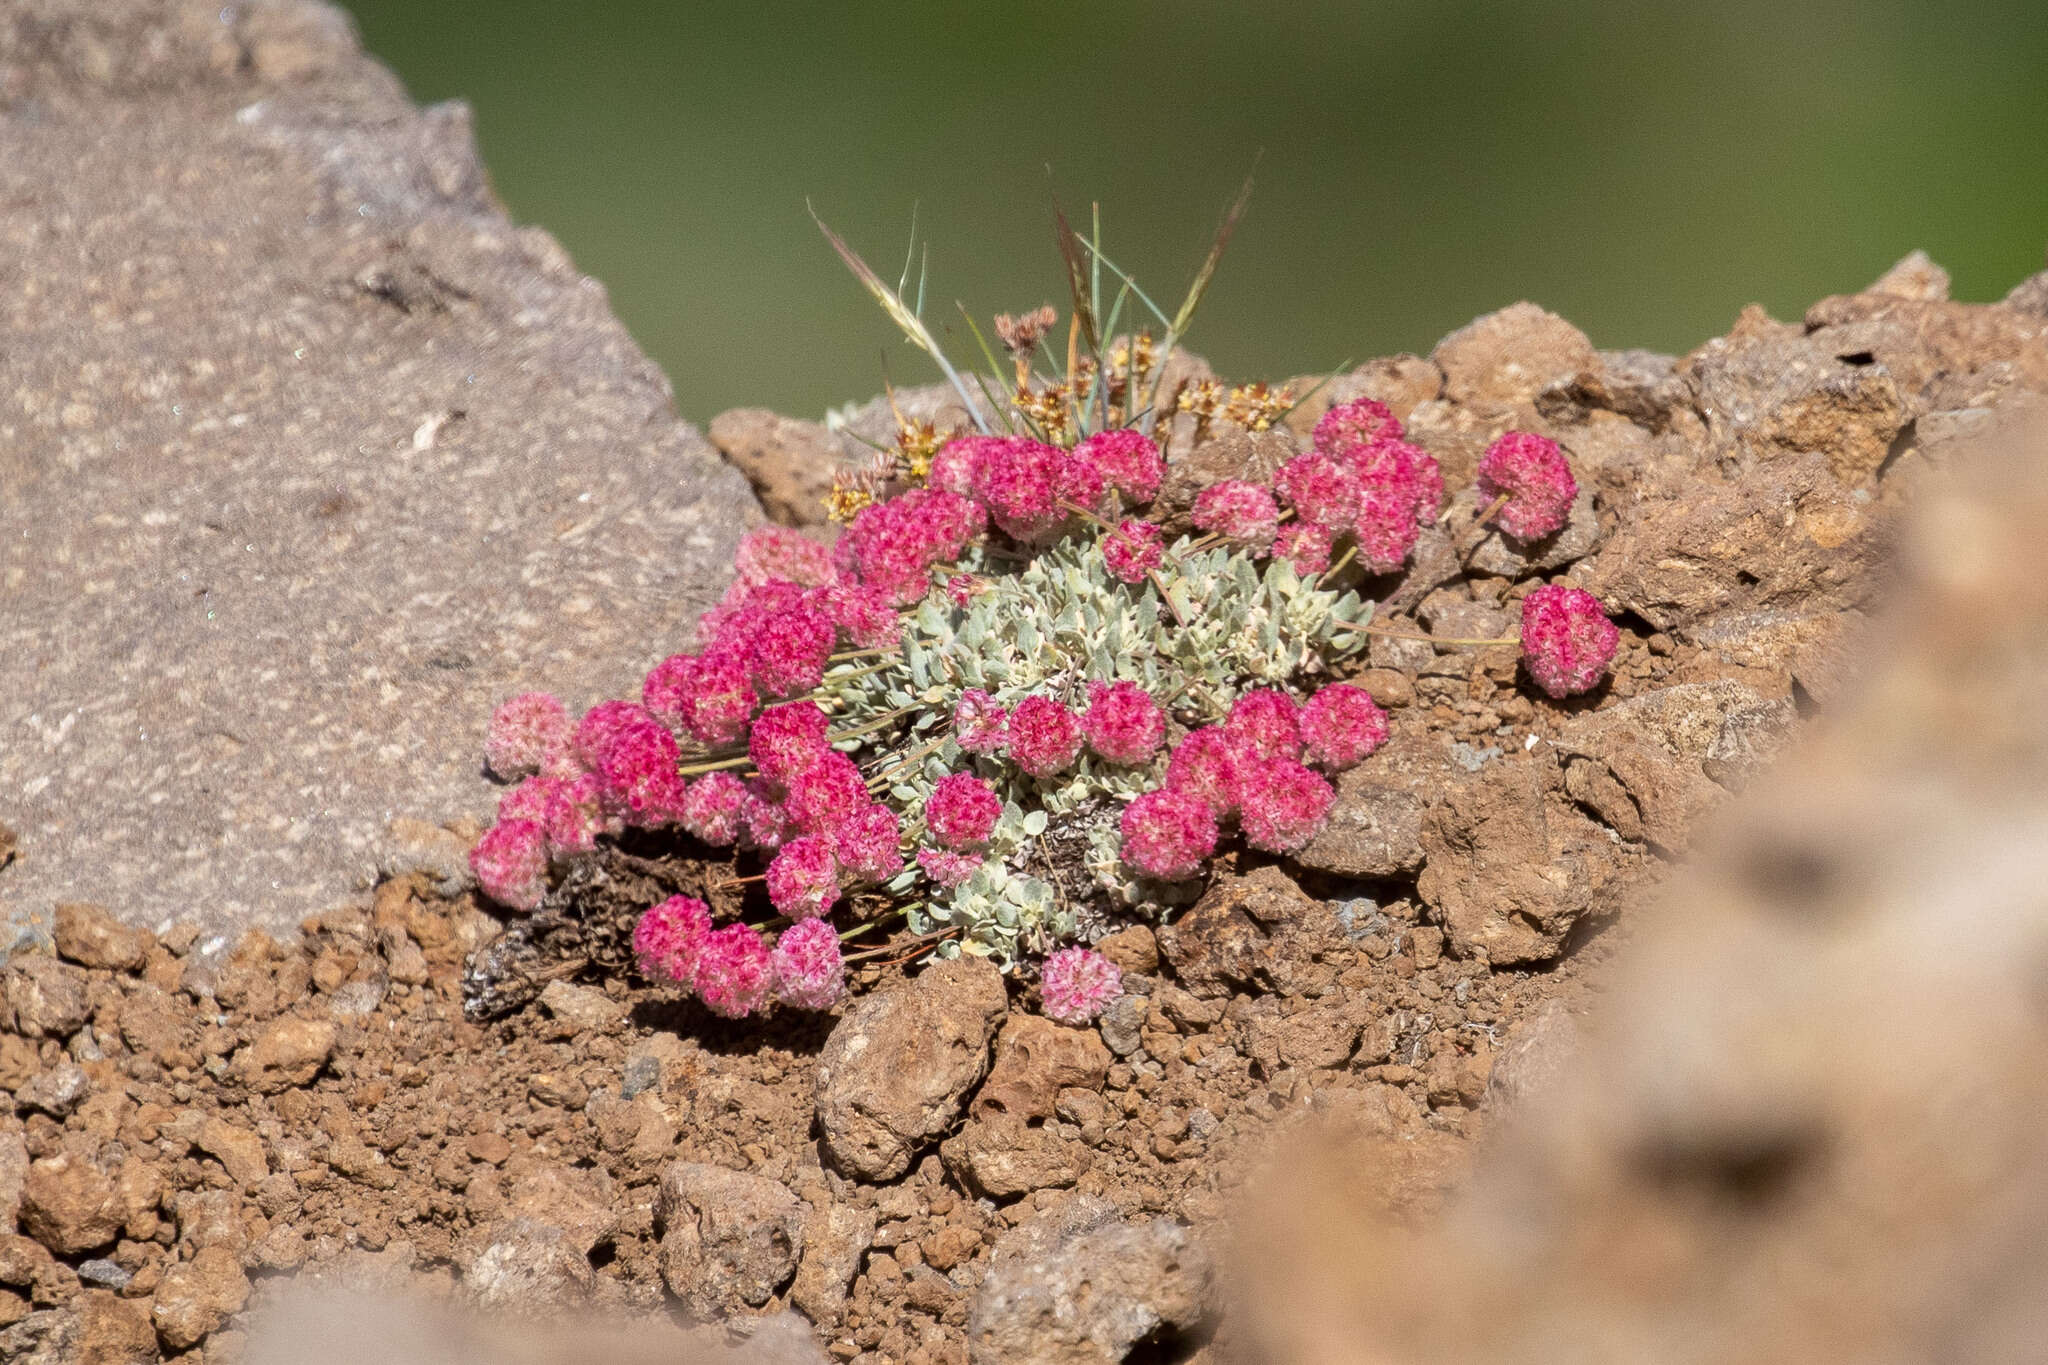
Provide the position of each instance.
(736, 970)
(1531, 479)
(1254, 767)
(1567, 640)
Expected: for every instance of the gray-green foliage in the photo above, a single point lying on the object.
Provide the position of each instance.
(1225, 626)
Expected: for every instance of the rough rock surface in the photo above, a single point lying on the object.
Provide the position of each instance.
(730, 1239)
(310, 457)
(1078, 1285)
(897, 1068)
(788, 463)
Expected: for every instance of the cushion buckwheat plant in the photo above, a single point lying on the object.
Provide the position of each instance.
(1005, 706)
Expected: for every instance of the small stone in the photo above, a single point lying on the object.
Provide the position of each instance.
(70, 1205)
(198, 1296)
(289, 1053)
(1035, 1060)
(998, 1156)
(1537, 1052)
(103, 1273)
(1076, 1284)
(1507, 358)
(1374, 828)
(489, 1148)
(113, 1330)
(1121, 1025)
(210, 1218)
(530, 1267)
(895, 1070)
(57, 1091)
(1259, 932)
(1133, 949)
(237, 1149)
(91, 937)
(45, 996)
(581, 1009)
(13, 1172)
(835, 1239)
(583, 1202)
(729, 1239)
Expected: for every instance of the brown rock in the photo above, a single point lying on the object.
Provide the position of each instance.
(70, 1205)
(2030, 296)
(584, 1203)
(1076, 1285)
(1000, 1156)
(1257, 932)
(1500, 554)
(113, 1330)
(530, 1268)
(1915, 277)
(1133, 949)
(1942, 355)
(238, 1149)
(210, 1218)
(91, 937)
(1506, 358)
(155, 1025)
(13, 1175)
(1399, 381)
(1641, 765)
(729, 1240)
(57, 1091)
(288, 1053)
(1644, 388)
(788, 462)
(197, 1297)
(1537, 1053)
(1035, 1060)
(45, 996)
(835, 1239)
(1374, 828)
(1507, 872)
(579, 1009)
(894, 1072)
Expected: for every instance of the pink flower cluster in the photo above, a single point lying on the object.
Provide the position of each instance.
(1567, 640)
(1134, 549)
(1251, 766)
(1531, 473)
(1029, 489)
(962, 811)
(1241, 512)
(734, 970)
(1077, 984)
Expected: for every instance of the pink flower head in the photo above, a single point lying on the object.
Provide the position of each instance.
(768, 552)
(1358, 422)
(735, 971)
(1208, 764)
(594, 732)
(1238, 511)
(960, 589)
(809, 972)
(1322, 491)
(668, 938)
(830, 790)
(962, 811)
(863, 613)
(708, 697)
(1340, 725)
(1020, 482)
(1075, 984)
(511, 863)
(1306, 546)
(764, 820)
(1080, 482)
(790, 650)
(1123, 722)
(714, 808)
(639, 777)
(1133, 550)
(892, 545)
(869, 844)
(1045, 737)
(1386, 531)
(1533, 475)
(958, 461)
(1168, 833)
(1404, 473)
(581, 815)
(730, 624)
(1129, 460)
(1284, 805)
(947, 868)
(1567, 640)
(534, 799)
(524, 733)
(1268, 719)
(803, 877)
(979, 725)
(787, 739)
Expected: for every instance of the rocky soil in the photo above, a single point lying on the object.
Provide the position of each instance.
(203, 1126)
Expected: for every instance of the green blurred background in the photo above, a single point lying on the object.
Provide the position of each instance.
(1643, 168)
